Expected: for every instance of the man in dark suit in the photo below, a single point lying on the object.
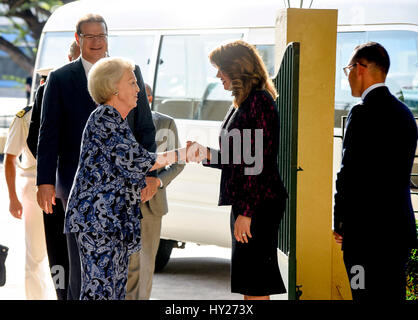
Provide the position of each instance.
(373, 215)
(56, 242)
(65, 110)
(35, 120)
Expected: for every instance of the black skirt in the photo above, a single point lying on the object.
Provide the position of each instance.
(254, 266)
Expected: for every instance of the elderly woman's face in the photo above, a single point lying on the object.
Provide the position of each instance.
(128, 89)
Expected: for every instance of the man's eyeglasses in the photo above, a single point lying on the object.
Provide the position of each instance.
(91, 37)
(348, 68)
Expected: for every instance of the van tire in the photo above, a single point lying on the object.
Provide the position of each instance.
(163, 254)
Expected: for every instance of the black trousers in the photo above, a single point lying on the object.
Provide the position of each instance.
(74, 286)
(56, 246)
(75, 267)
(377, 274)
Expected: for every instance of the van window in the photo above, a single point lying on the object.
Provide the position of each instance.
(135, 47)
(186, 84)
(267, 54)
(55, 47)
(53, 52)
(402, 78)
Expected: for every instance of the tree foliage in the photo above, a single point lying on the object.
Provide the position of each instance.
(27, 19)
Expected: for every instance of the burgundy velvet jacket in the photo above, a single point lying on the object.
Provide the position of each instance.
(249, 142)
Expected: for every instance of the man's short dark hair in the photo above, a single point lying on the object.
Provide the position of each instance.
(373, 52)
(89, 18)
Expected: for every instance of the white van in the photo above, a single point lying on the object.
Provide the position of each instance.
(171, 40)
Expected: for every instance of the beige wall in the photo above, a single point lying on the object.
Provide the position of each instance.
(316, 30)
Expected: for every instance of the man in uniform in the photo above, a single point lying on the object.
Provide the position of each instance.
(38, 282)
(56, 241)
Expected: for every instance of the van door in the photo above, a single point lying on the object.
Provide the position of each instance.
(186, 88)
(402, 79)
(185, 78)
(138, 47)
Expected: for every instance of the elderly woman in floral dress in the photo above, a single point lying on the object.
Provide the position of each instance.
(103, 207)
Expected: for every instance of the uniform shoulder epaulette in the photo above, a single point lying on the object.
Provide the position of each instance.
(22, 112)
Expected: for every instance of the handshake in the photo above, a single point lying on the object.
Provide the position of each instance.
(195, 152)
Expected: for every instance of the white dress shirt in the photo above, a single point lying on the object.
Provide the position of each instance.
(86, 65)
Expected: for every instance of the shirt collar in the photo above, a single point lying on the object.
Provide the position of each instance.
(86, 65)
(373, 86)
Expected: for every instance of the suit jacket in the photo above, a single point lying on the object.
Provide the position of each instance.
(33, 134)
(166, 139)
(247, 186)
(66, 107)
(372, 200)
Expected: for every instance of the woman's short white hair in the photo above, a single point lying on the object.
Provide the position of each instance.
(105, 75)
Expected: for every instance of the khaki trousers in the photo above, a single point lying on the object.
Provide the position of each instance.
(142, 263)
(38, 281)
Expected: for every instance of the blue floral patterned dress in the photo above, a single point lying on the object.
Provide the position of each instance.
(103, 207)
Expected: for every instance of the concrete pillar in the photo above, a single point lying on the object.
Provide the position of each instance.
(316, 31)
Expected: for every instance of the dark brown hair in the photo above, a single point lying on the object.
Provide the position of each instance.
(242, 63)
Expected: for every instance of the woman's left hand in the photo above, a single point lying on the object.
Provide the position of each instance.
(242, 229)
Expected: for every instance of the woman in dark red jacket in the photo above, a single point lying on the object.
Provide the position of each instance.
(250, 179)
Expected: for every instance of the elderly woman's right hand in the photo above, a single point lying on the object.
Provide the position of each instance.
(193, 152)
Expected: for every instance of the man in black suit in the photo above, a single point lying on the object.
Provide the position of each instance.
(373, 215)
(35, 120)
(65, 110)
(56, 241)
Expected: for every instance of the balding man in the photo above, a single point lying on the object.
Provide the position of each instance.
(373, 215)
(74, 51)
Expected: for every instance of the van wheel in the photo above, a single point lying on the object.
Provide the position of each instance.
(163, 254)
